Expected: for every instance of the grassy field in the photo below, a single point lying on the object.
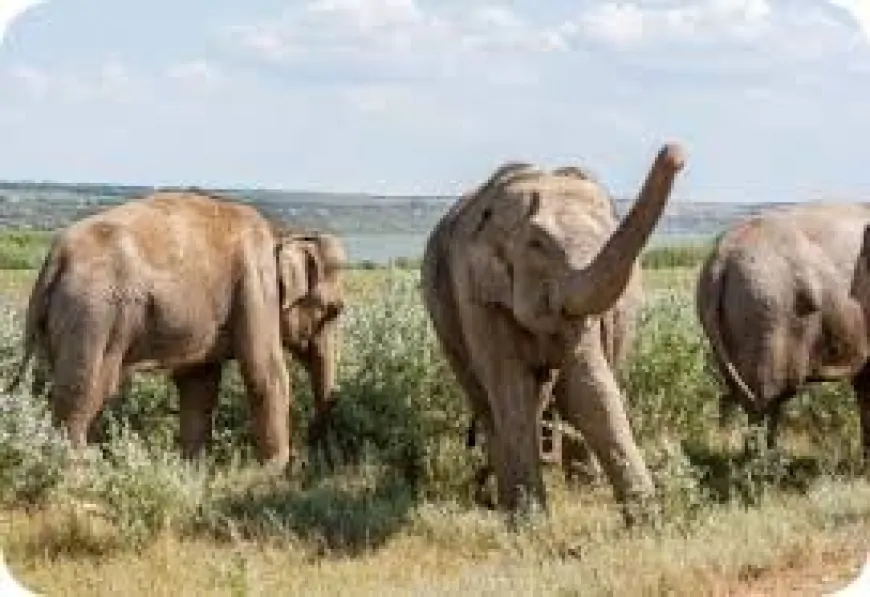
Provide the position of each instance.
(397, 518)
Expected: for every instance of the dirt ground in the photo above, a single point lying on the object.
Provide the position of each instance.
(804, 574)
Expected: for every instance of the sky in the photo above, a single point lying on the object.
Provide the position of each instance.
(768, 97)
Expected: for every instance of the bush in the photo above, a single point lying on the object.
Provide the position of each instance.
(673, 256)
(143, 491)
(398, 401)
(667, 380)
(33, 455)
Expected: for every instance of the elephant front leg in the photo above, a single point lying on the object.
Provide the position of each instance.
(513, 444)
(198, 396)
(260, 354)
(588, 396)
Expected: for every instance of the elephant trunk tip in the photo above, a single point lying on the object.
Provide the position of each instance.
(672, 156)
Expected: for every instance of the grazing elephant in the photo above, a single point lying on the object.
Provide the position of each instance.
(530, 274)
(182, 282)
(774, 300)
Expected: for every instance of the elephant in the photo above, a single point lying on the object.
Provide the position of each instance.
(529, 275)
(774, 299)
(181, 282)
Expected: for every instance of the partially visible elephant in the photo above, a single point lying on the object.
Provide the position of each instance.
(182, 282)
(860, 291)
(528, 274)
(773, 299)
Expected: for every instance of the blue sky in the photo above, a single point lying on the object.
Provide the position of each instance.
(770, 97)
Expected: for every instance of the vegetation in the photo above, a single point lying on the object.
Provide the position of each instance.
(23, 249)
(674, 256)
(398, 514)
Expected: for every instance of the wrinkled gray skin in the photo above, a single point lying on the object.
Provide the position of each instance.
(774, 300)
(525, 276)
(182, 282)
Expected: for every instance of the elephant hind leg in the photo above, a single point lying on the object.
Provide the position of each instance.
(198, 396)
(78, 396)
(260, 355)
(86, 354)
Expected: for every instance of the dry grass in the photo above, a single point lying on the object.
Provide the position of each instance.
(789, 543)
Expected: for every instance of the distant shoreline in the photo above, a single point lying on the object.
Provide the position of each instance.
(377, 229)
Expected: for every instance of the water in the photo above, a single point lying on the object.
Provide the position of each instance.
(376, 229)
(382, 248)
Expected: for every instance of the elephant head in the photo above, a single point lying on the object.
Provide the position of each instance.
(311, 300)
(547, 253)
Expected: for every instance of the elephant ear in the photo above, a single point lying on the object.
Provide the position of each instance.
(490, 278)
(297, 270)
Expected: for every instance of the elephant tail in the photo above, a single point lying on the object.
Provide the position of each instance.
(711, 305)
(37, 308)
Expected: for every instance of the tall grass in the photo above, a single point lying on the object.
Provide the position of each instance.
(399, 434)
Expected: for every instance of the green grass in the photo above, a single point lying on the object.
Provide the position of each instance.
(23, 250)
(398, 515)
(675, 256)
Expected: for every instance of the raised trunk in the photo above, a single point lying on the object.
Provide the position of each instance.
(595, 288)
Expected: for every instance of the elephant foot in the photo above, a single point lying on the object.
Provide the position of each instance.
(482, 495)
(641, 510)
(527, 509)
(278, 464)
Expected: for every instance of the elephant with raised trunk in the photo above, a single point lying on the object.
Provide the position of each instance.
(182, 282)
(530, 276)
(774, 300)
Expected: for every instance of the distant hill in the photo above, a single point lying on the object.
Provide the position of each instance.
(404, 220)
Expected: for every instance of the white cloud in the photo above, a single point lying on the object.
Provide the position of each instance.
(369, 15)
(626, 23)
(394, 34)
(11, 10)
(32, 80)
(499, 28)
(196, 75)
(494, 40)
(111, 81)
(621, 24)
(859, 10)
(263, 41)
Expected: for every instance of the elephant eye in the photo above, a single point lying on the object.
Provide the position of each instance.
(536, 244)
